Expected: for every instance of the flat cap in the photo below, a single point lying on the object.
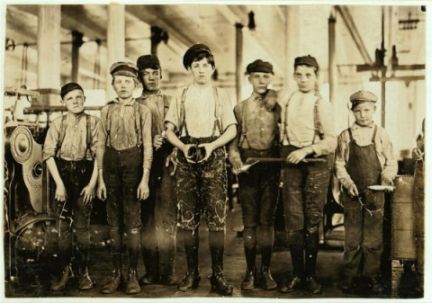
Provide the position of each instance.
(362, 96)
(148, 61)
(123, 68)
(193, 52)
(68, 87)
(259, 66)
(306, 60)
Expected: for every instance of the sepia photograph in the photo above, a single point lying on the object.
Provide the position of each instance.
(214, 150)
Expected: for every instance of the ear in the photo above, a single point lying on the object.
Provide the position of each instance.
(249, 79)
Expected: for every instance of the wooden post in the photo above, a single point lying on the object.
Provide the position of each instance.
(239, 60)
(48, 46)
(76, 44)
(332, 51)
(383, 70)
(115, 40)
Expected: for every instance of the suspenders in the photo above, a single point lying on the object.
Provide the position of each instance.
(217, 113)
(62, 134)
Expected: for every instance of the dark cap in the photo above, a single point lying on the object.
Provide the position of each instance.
(306, 60)
(362, 96)
(259, 66)
(122, 68)
(148, 61)
(68, 87)
(193, 52)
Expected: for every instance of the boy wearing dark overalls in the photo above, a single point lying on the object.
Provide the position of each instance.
(199, 122)
(307, 132)
(364, 157)
(69, 151)
(257, 136)
(159, 213)
(124, 156)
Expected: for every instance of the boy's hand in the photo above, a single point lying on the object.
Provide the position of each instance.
(209, 148)
(297, 156)
(185, 151)
(172, 158)
(60, 193)
(352, 189)
(158, 140)
(101, 190)
(236, 165)
(143, 191)
(387, 181)
(88, 193)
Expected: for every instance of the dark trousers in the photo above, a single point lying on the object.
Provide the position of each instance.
(73, 214)
(122, 174)
(363, 235)
(419, 217)
(159, 217)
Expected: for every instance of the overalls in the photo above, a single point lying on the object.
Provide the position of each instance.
(363, 225)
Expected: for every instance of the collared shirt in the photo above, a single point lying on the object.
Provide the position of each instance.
(200, 111)
(120, 119)
(363, 136)
(74, 146)
(158, 104)
(298, 119)
(261, 125)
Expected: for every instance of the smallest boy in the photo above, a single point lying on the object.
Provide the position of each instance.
(364, 157)
(69, 151)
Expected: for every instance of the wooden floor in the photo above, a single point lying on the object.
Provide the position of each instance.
(35, 283)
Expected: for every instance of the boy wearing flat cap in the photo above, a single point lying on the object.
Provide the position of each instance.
(159, 213)
(124, 158)
(257, 136)
(199, 122)
(69, 152)
(364, 157)
(308, 143)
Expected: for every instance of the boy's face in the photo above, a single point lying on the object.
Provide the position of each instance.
(260, 81)
(74, 101)
(151, 78)
(201, 71)
(364, 112)
(124, 86)
(305, 77)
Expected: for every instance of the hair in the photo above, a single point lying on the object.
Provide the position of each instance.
(316, 70)
(202, 55)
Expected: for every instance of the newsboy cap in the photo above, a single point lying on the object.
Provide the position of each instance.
(362, 96)
(148, 61)
(259, 66)
(122, 68)
(193, 52)
(306, 60)
(68, 87)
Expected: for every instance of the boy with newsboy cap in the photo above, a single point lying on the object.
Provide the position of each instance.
(364, 157)
(308, 143)
(69, 151)
(159, 213)
(199, 122)
(257, 136)
(124, 158)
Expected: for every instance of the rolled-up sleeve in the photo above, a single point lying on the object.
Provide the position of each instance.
(94, 136)
(146, 128)
(228, 117)
(329, 141)
(341, 158)
(51, 140)
(101, 137)
(173, 113)
(390, 166)
(234, 154)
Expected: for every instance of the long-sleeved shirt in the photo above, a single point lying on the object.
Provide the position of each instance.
(74, 146)
(363, 136)
(158, 103)
(257, 127)
(200, 111)
(298, 122)
(120, 120)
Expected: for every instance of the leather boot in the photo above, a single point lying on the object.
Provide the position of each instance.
(297, 260)
(191, 245)
(132, 285)
(267, 281)
(249, 279)
(116, 276)
(150, 264)
(84, 281)
(218, 282)
(311, 253)
(62, 281)
(166, 258)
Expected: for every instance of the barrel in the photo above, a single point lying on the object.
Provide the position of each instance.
(403, 238)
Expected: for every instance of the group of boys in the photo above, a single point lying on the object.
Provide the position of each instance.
(161, 164)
